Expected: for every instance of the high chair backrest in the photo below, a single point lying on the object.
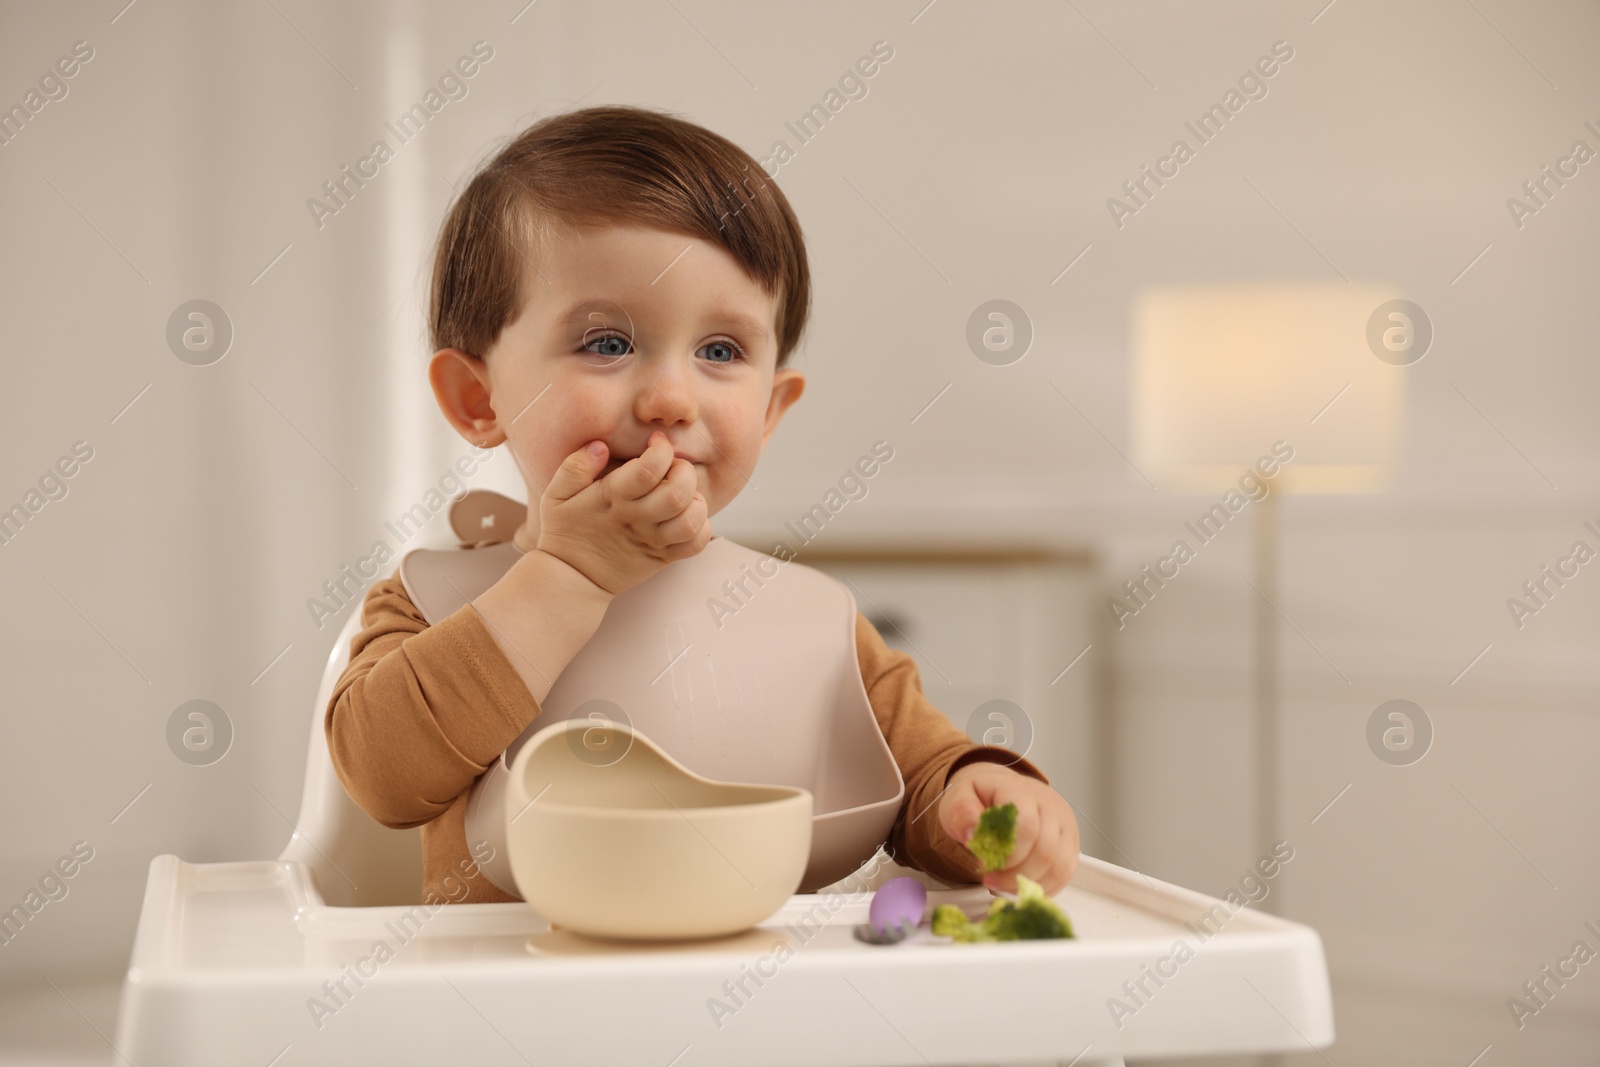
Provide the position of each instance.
(355, 860)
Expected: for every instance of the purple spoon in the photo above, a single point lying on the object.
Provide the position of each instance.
(895, 912)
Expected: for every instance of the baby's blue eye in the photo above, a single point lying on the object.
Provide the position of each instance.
(723, 351)
(613, 344)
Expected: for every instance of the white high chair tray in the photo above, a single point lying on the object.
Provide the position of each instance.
(230, 959)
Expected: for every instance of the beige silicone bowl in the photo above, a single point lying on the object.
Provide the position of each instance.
(607, 835)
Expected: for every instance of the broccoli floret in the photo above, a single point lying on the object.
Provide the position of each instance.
(950, 921)
(995, 836)
(1032, 917)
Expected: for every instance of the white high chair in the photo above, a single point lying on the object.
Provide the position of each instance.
(230, 962)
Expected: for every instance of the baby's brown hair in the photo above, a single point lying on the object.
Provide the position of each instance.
(610, 165)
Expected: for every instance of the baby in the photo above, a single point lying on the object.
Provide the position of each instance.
(615, 296)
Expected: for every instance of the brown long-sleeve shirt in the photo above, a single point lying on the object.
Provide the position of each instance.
(421, 711)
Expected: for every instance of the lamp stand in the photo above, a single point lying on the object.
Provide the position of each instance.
(1265, 566)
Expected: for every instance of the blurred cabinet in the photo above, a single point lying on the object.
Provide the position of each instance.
(1003, 643)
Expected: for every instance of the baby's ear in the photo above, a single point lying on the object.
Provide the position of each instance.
(787, 385)
(461, 385)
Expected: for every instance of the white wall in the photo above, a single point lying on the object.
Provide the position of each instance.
(977, 167)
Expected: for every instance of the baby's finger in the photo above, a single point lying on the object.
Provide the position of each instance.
(671, 496)
(1069, 829)
(1043, 859)
(689, 529)
(639, 476)
(1059, 876)
(959, 812)
(576, 473)
(1028, 828)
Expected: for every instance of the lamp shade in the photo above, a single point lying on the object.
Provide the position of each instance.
(1222, 372)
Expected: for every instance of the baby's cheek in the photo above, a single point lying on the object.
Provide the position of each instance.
(725, 483)
(536, 469)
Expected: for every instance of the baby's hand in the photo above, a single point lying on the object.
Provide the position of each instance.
(1047, 832)
(624, 528)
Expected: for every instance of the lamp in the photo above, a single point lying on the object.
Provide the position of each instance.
(1222, 372)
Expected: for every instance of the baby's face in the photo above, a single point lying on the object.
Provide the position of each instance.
(627, 331)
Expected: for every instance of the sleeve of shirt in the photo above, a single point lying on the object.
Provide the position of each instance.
(421, 711)
(928, 747)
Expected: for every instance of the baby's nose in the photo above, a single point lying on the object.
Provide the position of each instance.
(666, 398)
